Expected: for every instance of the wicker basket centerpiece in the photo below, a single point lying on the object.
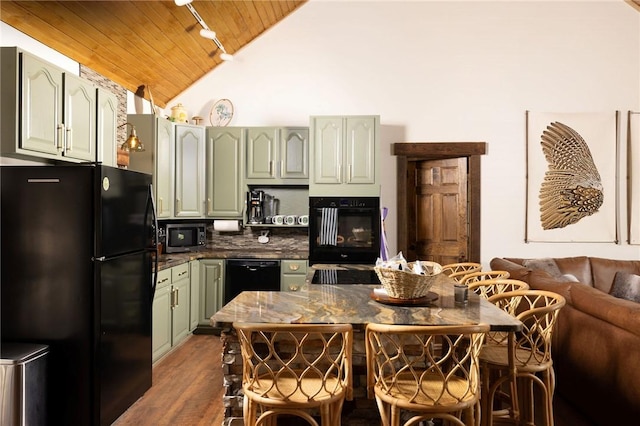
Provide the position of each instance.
(405, 284)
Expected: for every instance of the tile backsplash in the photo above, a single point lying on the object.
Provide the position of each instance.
(280, 238)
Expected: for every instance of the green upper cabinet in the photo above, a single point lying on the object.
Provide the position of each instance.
(262, 147)
(277, 155)
(294, 153)
(158, 136)
(345, 156)
(41, 106)
(107, 124)
(79, 119)
(224, 183)
(46, 112)
(190, 165)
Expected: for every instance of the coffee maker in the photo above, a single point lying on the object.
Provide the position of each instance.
(255, 201)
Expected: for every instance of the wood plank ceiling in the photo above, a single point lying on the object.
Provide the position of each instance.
(151, 43)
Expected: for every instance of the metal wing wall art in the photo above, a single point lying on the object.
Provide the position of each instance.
(572, 188)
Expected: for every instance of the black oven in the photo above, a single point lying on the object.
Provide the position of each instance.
(344, 229)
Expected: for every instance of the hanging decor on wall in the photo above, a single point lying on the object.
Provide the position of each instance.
(633, 170)
(572, 191)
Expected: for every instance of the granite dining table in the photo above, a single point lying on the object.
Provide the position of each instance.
(356, 304)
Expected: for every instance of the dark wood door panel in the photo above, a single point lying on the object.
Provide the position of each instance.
(439, 203)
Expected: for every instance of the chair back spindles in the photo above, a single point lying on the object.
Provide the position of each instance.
(460, 269)
(527, 357)
(289, 368)
(431, 370)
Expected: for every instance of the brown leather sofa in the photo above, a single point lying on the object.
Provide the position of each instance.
(596, 342)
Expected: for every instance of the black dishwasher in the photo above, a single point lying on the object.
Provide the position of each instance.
(250, 275)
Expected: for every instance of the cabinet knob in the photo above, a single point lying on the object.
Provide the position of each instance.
(294, 288)
(294, 267)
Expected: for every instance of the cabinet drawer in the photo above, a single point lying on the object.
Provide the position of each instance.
(294, 267)
(164, 278)
(291, 282)
(180, 272)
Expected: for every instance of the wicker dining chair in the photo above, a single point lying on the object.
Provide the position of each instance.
(291, 368)
(430, 371)
(526, 358)
(491, 287)
(473, 277)
(459, 270)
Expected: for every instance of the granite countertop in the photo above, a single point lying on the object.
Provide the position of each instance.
(324, 303)
(169, 260)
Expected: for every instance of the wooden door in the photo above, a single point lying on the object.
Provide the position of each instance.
(438, 189)
(439, 231)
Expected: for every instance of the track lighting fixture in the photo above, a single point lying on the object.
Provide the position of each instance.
(208, 34)
(205, 32)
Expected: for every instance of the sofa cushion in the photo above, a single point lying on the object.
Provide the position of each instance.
(540, 280)
(626, 286)
(578, 266)
(545, 264)
(619, 312)
(515, 269)
(605, 269)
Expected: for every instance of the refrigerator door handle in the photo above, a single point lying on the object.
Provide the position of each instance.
(151, 205)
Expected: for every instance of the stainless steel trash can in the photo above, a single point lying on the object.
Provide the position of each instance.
(23, 384)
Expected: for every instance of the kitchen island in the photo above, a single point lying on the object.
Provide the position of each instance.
(351, 304)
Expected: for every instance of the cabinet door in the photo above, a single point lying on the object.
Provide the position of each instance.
(41, 106)
(211, 288)
(294, 153)
(164, 172)
(194, 293)
(161, 329)
(79, 118)
(327, 150)
(225, 194)
(107, 123)
(189, 190)
(181, 314)
(360, 150)
(262, 148)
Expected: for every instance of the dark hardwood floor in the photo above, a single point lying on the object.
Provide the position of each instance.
(187, 387)
(187, 391)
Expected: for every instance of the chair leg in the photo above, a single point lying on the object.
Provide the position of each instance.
(384, 410)
(249, 409)
(395, 416)
(549, 380)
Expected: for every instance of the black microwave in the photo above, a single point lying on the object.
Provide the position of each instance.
(185, 237)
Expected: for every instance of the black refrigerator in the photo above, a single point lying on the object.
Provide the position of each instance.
(77, 258)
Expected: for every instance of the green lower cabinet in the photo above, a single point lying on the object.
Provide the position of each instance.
(194, 306)
(293, 274)
(180, 284)
(170, 310)
(211, 289)
(161, 314)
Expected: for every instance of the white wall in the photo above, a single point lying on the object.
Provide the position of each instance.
(445, 71)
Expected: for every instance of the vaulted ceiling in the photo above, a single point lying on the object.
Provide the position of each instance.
(152, 43)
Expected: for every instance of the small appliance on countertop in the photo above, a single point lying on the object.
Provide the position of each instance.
(255, 212)
(184, 237)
